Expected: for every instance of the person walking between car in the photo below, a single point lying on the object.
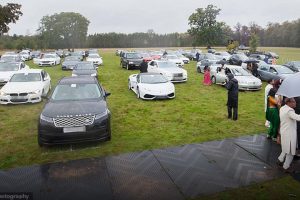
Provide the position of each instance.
(232, 100)
(206, 77)
(272, 114)
(267, 90)
(144, 66)
(288, 130)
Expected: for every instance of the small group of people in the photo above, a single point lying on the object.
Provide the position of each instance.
(282, 114)
(252, 67)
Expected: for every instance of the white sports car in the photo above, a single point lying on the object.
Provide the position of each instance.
(168, 69)
(151, 86)
(95, 58)
(26, 86)
(8, 69)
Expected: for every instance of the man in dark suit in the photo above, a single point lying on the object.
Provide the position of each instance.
(233, 93)
(144, 66)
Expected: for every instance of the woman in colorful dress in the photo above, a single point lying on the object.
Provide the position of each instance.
(272, 115)
(206, 79)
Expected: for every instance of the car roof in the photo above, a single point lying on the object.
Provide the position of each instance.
(77, 79)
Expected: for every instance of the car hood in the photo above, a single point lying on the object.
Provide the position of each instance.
(159, 87)
(47, 59)
(175, 60)
(20, 87)
(247, 78)
(135, 59)
(172, 70)
(84, 72)
(93, 59)
(62, 108)
(70, 63)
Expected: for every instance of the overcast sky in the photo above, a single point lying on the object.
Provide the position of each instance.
(163, 16)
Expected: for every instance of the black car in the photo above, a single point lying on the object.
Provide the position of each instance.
(131, 60)
(70, 62)
(77, 111)
(85, 68)
(293, 65)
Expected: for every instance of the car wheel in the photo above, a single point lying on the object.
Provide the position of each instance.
(40, 143)
(137, 93)
(213, 80)
(198, 69)
(127, 66)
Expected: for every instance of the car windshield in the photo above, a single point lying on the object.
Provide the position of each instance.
(72, 58)
(9, 58)
(4, 67)
(84, 66)
(239, 72)
(284, 70)
(49, 56)
(152, 79)
(133, 55)
(76, 92)
(24, 77)
(166, 64)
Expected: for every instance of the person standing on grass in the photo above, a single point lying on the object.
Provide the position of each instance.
(233, 93)
(267, 90)
(288, 130)
(272, 114)
(144, 66)
(206, 77)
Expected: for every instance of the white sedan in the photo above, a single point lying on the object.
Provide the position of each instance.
(48, 60)
(8, 69)
(95, 58)
(26, 86)
(168, 69)
(173, 58)
(151, 86)
(246, 80)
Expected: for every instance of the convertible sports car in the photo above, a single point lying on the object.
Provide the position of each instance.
(151, 86)
(246, 80)
(26, 86)
(168, 69)
(8, 69)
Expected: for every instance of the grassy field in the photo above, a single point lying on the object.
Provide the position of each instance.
(197, 114)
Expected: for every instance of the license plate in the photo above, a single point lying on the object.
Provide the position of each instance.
(74, 129)
(16, 97)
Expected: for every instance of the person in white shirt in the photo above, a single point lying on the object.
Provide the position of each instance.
(288, 130)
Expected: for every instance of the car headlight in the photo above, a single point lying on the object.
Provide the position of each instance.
(94, 74)
(130, 62)
(35, 92)
(74, 75)
(2, 93)
(46, 119)
(100, 115)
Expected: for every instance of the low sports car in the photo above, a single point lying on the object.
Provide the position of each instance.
(151, 86)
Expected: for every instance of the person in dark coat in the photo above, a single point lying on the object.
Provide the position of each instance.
(197, 56)
(144, 66)
(254, 69)
(233, 93)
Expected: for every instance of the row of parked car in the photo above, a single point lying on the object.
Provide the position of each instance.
(76, 110)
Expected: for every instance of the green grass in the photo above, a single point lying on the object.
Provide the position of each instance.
(197, 114)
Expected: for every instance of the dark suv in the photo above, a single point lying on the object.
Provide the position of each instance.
(131, 60)
(76, 112)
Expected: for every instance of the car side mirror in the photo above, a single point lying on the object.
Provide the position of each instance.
(107, 94)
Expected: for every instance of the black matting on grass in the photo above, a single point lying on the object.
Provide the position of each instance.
(140, 176)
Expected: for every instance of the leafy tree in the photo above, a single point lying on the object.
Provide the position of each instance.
(254, 42)
(64, 30)
(204, 26)
(9, 13)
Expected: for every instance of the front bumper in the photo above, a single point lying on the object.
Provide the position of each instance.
(20, 99)
(46, 63)
(98, 131)
(247, 87)
(148, 96)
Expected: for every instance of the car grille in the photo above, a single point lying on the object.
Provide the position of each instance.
(45, 62)
(74, 121)
(178, 76)
(16, 94)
